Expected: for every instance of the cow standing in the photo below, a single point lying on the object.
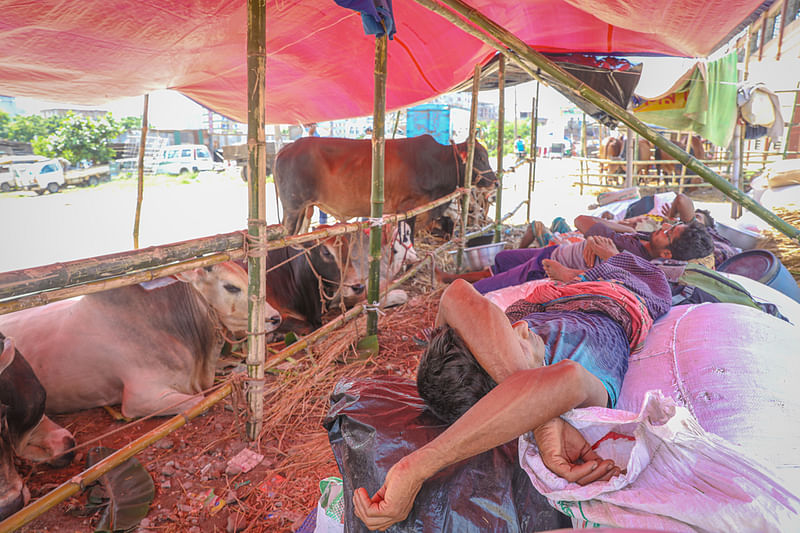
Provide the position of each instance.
(153, 351)
(24, 430)
(336, 175)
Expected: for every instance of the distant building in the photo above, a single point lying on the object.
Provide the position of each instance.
(8, 104)
(62, 112)
(221, 131)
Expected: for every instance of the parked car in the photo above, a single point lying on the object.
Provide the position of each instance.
(8, 164)
(185, 158)
(47, 175)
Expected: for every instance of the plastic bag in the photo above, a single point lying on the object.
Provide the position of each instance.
(678, 478)
(330, 507)
(373, 423)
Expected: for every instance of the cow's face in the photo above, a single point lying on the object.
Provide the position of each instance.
(402, 249)
(224, 287)
(483, 177)
(339, 267)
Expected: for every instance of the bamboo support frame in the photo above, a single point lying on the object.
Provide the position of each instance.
(19, 284)
(257, 210)
(534, 150)
(43, 298)
(376, 197)
(80, 481)
(501, 39)
(473, 121)
(501, 127)
(140, 175)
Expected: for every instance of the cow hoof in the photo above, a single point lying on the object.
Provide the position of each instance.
(395, 297)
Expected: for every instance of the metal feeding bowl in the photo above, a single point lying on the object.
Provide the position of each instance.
(481, 257)
(739, 237)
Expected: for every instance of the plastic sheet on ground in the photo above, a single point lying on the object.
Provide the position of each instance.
(375, 422)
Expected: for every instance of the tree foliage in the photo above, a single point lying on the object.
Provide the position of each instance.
(71, 137)
(489, 137)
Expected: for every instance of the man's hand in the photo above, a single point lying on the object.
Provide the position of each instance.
(392, 502)
(567, 454)
(666, 212)
(598, 246)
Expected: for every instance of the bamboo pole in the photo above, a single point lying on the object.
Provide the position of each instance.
(629, 159)
(683, 168)
(60, 275)
(473, 119)
(507, 43)
(501, 126)
(737, 143)
(92, 474)
(257, 210)
(376, 210)
(396, 123)
(140, 179)
(43, 298)
(534, 150)
(19, 283)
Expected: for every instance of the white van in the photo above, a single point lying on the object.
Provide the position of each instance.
(185, 158)
(8, 165)
(47, 175)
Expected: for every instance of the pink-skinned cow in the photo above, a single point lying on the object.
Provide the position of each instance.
(24, 430)
(152, 351)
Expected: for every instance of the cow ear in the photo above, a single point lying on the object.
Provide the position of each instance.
(7, 357)
(191, 276)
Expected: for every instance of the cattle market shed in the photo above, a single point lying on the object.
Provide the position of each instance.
(91, 52)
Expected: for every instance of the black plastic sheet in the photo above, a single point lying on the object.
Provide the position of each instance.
(373, 423)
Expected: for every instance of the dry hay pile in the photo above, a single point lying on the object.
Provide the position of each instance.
(297, 399)
(784, 248)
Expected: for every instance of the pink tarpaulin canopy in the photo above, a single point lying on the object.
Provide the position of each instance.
(319, 61)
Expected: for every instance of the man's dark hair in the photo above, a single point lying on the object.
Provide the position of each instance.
(694, 242)
(709, 220)
(449, 378)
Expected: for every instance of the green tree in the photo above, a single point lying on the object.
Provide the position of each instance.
(78, 138)
(5, 118)
(25, 128)
(490, 136)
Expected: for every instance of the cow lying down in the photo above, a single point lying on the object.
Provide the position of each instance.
(397, 251)
(149, 350)
(24, 430)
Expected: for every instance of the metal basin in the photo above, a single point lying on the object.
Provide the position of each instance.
(739, 237)
(481, 257)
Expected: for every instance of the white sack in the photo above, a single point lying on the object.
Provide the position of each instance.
(678, 477)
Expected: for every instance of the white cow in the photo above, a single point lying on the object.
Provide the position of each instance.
(149, 350)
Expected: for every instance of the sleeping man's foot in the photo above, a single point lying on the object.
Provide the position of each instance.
(559, 272)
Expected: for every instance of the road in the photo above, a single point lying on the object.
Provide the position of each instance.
(83, 222)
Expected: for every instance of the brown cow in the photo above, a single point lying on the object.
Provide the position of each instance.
(336, 175)
(610, 148)
(696, 149)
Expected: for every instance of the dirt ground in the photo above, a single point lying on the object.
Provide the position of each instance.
(188, 467)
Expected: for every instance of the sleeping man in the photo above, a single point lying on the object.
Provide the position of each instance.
(564, 346)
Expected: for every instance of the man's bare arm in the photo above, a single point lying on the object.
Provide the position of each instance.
(483, 327)
(585, 222)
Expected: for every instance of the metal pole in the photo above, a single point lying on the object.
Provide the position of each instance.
(257, 210)
(473, 120)
(491, 33)
(376, 212)
(140, 180)
(501, 122)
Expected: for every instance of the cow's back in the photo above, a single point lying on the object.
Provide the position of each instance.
(336, 174)
(84, 351)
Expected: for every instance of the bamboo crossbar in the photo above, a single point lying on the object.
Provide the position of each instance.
(46, 297)
(19, 283)
(91, 474)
